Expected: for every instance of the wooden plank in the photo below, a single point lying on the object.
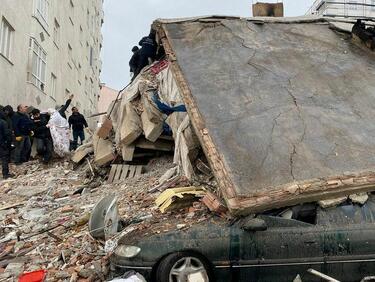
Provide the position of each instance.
(6, 207)
(118, 173)
(125, 169)
(131, 171)
(112, 173)
(138, 170)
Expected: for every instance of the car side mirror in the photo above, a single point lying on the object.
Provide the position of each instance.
(253, 225)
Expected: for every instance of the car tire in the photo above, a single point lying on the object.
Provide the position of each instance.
(174, 263)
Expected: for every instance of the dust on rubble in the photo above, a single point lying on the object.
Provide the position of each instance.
(44, 213)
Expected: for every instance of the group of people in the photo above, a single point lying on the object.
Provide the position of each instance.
(142, 56)
(50, 131)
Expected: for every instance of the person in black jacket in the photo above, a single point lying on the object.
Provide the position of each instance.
(22, 127)
(62, 109)
(133, 63)
(77, 122)
(147, 51)
(42, 135)
(5, 145)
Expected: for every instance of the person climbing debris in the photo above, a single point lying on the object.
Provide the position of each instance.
(133, 63)
(147, 52)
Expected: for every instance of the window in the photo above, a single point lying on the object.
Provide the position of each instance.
(38, 66)
(41, 11)
(88, 19)
(6, 38)
(56, 33)
(53, 85)
(91, 56)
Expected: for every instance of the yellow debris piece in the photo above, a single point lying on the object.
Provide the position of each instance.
(178, 197)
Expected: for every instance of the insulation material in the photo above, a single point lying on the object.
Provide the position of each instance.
(175, 198)
(168, 89)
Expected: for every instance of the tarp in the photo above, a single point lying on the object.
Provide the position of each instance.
(284, 110)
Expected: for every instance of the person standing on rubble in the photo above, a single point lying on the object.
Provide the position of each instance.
(77, 122)
(5, 145)
(42, 135)
(147, 51)
(22, 126)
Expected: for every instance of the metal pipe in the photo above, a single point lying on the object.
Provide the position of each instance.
(321, 275)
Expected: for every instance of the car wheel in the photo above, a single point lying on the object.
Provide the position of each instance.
(184, 267)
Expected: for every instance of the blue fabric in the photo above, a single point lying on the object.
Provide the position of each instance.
(164, 108)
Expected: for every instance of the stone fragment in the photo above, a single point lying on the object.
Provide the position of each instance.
(359, 198)
(331, 202)
(15, 268)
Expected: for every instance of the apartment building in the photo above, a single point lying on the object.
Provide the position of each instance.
(344, 8)
(50, 49)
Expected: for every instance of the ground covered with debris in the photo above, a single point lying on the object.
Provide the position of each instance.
(45, 210)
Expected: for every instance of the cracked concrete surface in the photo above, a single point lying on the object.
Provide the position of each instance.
(282, 102)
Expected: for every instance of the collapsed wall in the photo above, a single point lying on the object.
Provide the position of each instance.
(283, 108)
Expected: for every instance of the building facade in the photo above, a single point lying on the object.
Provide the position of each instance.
(344, 8)
(50, 49)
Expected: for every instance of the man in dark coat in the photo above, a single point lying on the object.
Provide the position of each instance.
(22, 126)
(133, 63)
(62, 109)
(148, 51)
(42, 135)
(5, 145)
(77, 122)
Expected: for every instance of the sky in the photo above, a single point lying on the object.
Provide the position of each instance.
(126, 22)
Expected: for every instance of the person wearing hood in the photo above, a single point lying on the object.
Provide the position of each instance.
(22, 126)
(5, 145)
(8, 111)
(42, 135)
(147, 51)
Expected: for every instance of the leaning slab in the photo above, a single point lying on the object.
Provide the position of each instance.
(283, 108)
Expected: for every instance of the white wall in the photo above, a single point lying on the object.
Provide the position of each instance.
(14, 88)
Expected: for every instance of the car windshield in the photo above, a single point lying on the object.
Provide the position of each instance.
(348, 213)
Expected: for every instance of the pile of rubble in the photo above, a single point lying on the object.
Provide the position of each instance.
(44, 215)
(148, 117)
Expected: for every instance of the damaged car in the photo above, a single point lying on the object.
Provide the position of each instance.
(273, 246)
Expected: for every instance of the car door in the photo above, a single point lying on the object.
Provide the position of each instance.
(349, 241)
(287, 248)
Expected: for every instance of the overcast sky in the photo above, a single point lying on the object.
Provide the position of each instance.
(126, 22)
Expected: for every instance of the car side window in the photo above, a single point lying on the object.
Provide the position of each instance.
(347, 213)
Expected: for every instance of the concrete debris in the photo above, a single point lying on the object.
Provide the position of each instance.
(47, 227)
(213, 203)
(359, 198)
(332, 202)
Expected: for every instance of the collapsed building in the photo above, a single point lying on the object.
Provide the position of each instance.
(281, 108)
